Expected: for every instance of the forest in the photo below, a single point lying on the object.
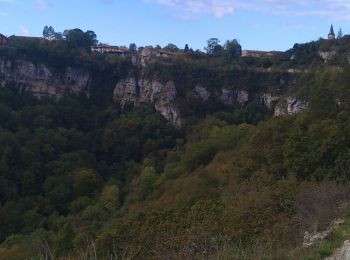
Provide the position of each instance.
(83, 178)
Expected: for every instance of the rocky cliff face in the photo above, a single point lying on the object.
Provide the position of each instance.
(327, 55)
(165, 99)
(269, 100)
(42, 80)
(163, 96)
(201, 93)
(290, 106)
(230, 96)
(342, 253)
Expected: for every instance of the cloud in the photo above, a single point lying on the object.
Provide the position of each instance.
(256, 25)
(297, 26)
(24, 30)
(4, 2)
(218, 8)
(41, 5)
(332, 9)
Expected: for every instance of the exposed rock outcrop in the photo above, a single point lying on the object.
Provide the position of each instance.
(230, 96)
(148, 54)
(342, 253)
(126, 91)
(268, 100)
(165, 103)
(290, 106)
(327, 55)
(165, 99)
(242, 97)
(163, 96)
(201, 93)
(227, 96)
(311, 238)
(42, 80)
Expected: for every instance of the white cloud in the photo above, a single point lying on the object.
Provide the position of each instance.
(297, 26)
(42, 5)
(4, 2)
(333, 9)
(24, 30)
(218, 8)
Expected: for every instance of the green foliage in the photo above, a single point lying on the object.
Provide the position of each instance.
(213, 46)
(54, 165)
(86, 183)
(79, 178)
(110, 197)
(76, 38)
(171, 47)
(233, 49)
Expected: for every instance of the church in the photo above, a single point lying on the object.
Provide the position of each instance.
(331, 35)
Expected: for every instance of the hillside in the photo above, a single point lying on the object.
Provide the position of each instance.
(183, 157)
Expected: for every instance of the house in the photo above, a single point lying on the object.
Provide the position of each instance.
(3, 39)
(260, 54)
(149, 53)
(108, 49)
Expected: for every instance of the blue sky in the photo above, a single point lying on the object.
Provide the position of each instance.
(257, 24)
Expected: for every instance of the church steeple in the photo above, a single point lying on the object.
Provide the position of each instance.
(331, 35)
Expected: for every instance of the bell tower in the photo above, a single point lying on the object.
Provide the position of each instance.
(331, 35)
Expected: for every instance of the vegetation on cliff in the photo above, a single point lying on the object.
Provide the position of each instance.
(82, 179)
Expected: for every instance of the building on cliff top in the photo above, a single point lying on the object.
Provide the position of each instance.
(3, 40)
(260, 54)
(108, 49)
(331, 35)
(149, 53)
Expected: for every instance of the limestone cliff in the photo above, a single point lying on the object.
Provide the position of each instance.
(163, 96)
(201, 93)
(342, 253)
(42, 80)
(231, 96)
(327, 55)
(290, 106)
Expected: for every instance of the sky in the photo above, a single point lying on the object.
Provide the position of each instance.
(257, 24)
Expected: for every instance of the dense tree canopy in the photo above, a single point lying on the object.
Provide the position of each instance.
(80, 177)
(76, 38)
(171, 47)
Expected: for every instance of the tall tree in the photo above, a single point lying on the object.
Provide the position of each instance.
(132, 48)
(51, 33)
(46, 32)
(232, 49)
(92, 37)
(186, 49)
(213, 46)
(340, 33)
(76, 38)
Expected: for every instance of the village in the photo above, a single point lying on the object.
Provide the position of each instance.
(147, 52)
